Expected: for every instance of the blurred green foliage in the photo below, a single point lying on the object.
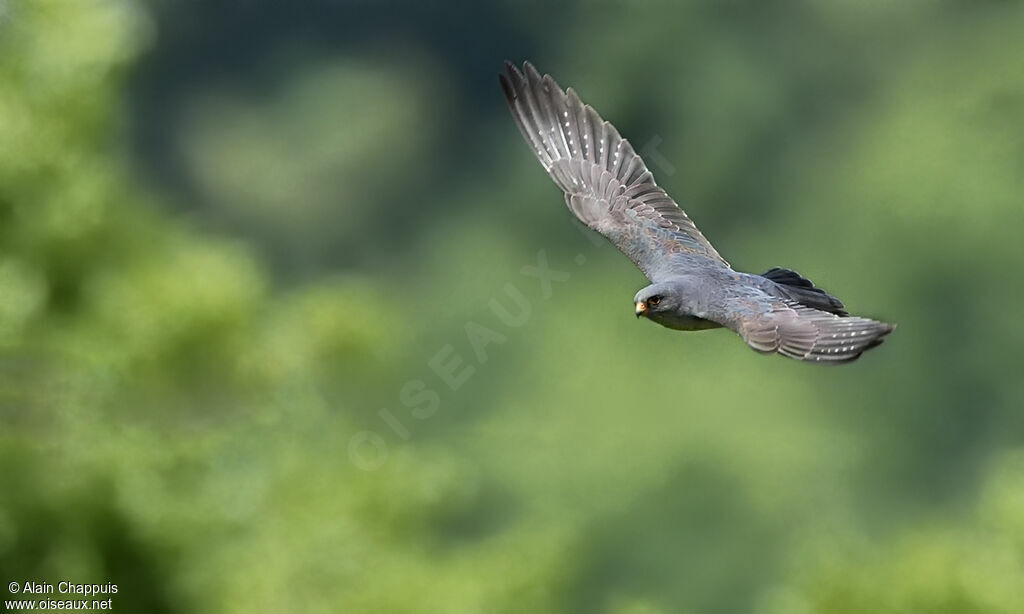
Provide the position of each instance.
(234, 237)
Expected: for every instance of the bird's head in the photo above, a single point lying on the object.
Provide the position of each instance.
(656, 299)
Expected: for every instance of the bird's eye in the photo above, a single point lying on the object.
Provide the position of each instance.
(653, 301)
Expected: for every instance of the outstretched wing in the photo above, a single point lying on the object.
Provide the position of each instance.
(606, 184)
(772, 325)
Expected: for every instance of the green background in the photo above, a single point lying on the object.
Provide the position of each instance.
(235, 235)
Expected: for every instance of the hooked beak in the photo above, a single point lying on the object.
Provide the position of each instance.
(641, 308)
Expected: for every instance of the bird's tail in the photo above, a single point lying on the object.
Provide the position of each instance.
(796, 287)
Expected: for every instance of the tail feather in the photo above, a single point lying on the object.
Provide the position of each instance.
(795, 287)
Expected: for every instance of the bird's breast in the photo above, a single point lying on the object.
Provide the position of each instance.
(684, 322)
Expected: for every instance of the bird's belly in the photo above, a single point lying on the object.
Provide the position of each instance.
(680, 322)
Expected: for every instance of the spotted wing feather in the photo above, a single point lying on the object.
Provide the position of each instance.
(606, 183)
(803, 333)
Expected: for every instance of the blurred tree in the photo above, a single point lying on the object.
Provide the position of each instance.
(179, 420)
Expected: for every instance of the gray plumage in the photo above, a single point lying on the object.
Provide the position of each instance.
(609, 188)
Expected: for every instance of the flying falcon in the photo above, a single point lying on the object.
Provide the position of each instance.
(608, 187)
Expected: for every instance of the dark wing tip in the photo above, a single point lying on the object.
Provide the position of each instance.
(513, 81)
(512, 70)
(506, 87)
(531, 72)
(877, 339)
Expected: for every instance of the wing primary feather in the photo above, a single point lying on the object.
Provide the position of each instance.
(526, 112)
(526, 126)
(602, 176)
(542, 87)
(803, 333)
(539, 110)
